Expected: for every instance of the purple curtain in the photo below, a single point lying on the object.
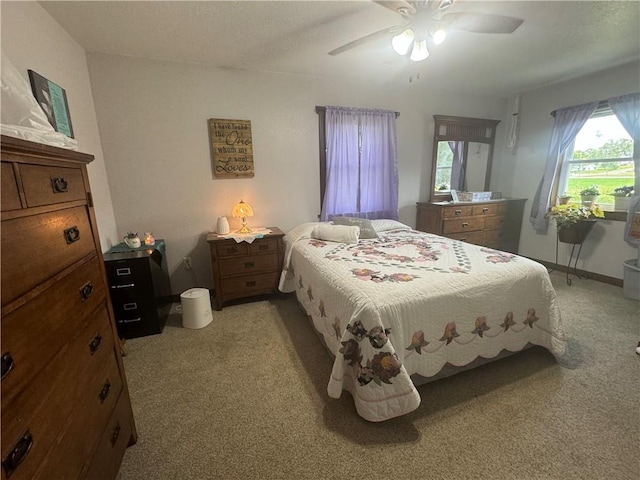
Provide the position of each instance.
(362, 168)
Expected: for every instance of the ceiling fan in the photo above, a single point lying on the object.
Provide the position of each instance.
(426, 22)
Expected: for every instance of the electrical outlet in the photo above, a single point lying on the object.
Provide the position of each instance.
(187, 262)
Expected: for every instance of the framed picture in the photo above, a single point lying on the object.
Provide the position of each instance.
(53, 101)
(231, 148)
(454, 196)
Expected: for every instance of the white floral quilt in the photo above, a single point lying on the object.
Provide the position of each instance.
(411, 302)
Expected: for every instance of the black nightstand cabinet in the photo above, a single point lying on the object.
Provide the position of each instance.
(140, 289)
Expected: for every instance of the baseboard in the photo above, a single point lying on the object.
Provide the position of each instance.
(583, 273)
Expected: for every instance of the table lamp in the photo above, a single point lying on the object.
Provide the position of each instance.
(242, 210)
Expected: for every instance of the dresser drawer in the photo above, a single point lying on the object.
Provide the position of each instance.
(113, 443)
(247, 265)
(230, 248)
(45, 185)
(250, 285)
(493, 222)
(60, 238)
(45, 407)
(89, 420)
(470, 237)
(10, 196)
(484, 209)
(458, 225)
(263, 246)
(459, 211)
(35, 332)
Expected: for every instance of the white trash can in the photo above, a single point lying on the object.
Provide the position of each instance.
(196, 308)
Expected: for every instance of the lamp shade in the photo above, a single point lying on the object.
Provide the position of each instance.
(242, 210)
(402, 41)
(420, 51)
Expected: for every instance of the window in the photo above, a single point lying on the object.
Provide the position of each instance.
(358, 164)
(601, 155)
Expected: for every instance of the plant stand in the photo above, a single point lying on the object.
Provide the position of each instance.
(574, 235)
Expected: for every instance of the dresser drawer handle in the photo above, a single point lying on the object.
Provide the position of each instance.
(232, 250)
(126, 285)
(131, 320)
(86, 290)
(7, 364)
(485, 210)
(104, 393)
(457, 212)
(249, 265)
(123, 271)
(263, 247)
(465, 224)
(94, 344)
(59, 184)
(72, 234)
(463, 239)
(130, 306)
(17, 454)
(251, 283)
(115, 434)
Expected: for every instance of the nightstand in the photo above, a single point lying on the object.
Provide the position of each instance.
(246, 269)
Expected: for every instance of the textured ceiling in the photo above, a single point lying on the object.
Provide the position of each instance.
(557, 41)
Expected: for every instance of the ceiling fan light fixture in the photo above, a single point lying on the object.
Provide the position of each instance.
(439, 36)
(402, 42)
(419, 51)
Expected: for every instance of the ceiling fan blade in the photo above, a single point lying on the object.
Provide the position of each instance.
(481, 22)
(362, 40)
(402, 7)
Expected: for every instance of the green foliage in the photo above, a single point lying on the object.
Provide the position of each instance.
(621, 148)
(590, 190)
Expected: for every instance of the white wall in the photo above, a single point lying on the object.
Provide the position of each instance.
(153, 116)
(519, 170)
(31, 39)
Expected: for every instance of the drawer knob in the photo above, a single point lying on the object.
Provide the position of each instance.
(72, 234)
(249, 265)
(86, 290)
(465, 224)
(17, 454)
(94, 344)
(263, 247)
(59, 184)
(251, 283)
(457, 212)
(7, 364)
(104, 393)
(485, 210)
(115, 434)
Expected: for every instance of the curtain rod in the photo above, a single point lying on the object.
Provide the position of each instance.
(323, 109)
(601, 104)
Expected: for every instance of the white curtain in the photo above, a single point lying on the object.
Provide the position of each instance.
(362, 168)
(457, 166)
(627, 109)
(568, 122)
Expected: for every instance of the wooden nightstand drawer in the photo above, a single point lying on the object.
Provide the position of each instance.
(44, 185)
(250, 285)
(229, 248)
(264, 246)
(248, 264)
(10, 195)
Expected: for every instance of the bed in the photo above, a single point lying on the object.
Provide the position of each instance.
(409, 305)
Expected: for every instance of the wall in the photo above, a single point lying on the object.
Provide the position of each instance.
(519, 170)
(60, 59)
(153, 116)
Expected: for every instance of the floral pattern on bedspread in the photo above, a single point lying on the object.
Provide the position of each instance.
(411, 302)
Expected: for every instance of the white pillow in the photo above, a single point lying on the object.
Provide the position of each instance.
(336, 233)
(387, 224)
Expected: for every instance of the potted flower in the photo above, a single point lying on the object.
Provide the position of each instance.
(564, 199)
(589, 194)
(574, 221)
(622, 197)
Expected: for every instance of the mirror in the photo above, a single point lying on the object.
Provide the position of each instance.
(462, 155)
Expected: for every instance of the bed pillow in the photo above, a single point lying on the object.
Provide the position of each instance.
(366, 229)
(388, 224)
(336, 233)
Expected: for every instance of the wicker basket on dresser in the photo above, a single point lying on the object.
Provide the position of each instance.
(66, 412)
(494, 224)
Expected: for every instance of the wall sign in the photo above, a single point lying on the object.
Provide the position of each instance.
(53, 101)
(231, 148)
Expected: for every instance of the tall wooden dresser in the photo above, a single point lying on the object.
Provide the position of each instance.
(66, 412)
(494, 224)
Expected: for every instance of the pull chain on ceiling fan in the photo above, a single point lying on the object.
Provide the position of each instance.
(426, 22)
